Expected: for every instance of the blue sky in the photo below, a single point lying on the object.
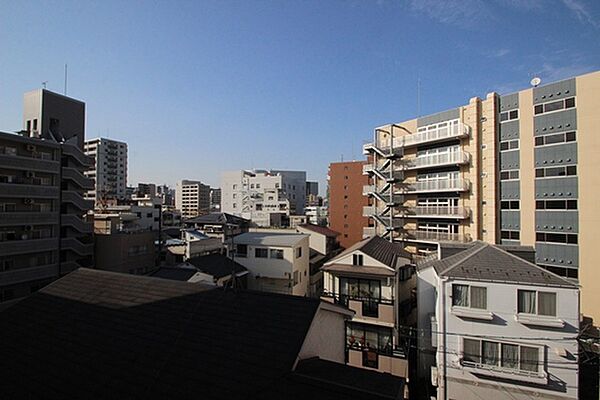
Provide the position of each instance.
(199, 87)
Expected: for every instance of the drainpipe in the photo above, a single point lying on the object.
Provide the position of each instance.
(444, 282)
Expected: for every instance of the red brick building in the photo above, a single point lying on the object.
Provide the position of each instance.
(346, 200)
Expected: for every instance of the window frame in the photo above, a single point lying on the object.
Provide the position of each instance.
(537, 302)
(469, 296)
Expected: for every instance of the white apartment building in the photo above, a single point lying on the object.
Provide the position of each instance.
(278, 262)
(316, 215)
(110, 170)
(192, 198)
(500, 327)
(266, 197)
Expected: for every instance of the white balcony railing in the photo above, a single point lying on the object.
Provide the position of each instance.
(439, 185)
(432, 160)
(369, 211)
(369, 232)
(367, 168)
(368, 189)
(437, 236)
(438, 211)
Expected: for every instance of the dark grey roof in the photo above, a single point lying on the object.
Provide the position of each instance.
(323, 230)
(218, 218)
(380, 249)
(485, 262)
(318, 379)
(103, 335)
(216, 265)
(174, 273)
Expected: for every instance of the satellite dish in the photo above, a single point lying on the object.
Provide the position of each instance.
(535, 81)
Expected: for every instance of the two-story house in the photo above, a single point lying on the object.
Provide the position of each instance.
(373, 278)
(499, 326)
(277, 262)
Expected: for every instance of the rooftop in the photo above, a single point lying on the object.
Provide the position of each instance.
(321, 230)
(217, 218)
(380, 249)
(97, 334)
(486, 262)
(216, 265)
(269, 239)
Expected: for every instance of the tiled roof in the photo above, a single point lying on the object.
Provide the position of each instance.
(320, 229)
(102, 335)
(380, 249)
(216, 265)
(217, 218)
(485, 262)
(318, 379)
(174, 273)
(269, 239)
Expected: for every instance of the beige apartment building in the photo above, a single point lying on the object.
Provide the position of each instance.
(520, 169)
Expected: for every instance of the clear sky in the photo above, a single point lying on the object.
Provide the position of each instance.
(198, 87)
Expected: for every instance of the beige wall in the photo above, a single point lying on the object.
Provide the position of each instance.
(326, 337)
(470, 115)
(489, 170)
(588, 154)
(527, 167)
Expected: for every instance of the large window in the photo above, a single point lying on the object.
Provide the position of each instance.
(509, 115)
(369, 337)
(485, 353)
(554, 106)
(551, 172)
(510, 235)
(509, 175)
(276, 253)
(555, 138)
(367, 291)
(549, 237)
(509, 145)
(556, 205)
(469, 296)
(534, 302)
(261, 253)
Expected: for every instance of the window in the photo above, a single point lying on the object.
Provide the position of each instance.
(296, 278)
(509, 115)
(510, 205)
(276, 253)
(556, 205)
(509, 145)
(261, 253)
(299, 252)
(550, 172)
(509, 175)
(241, 250)
(549, 237)
(563, 137)
(510, 235)
(554, 106)
(469, 296)
(372, 338)
(357, 259)
(486, 353)
(533, 302)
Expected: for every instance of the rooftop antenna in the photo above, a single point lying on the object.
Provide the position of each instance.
(535, 81)
(44, 84)
(65, 79)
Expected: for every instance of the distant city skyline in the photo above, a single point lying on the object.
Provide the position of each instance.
(197, 89)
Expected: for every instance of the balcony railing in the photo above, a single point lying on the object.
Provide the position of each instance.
(440, 185)
(437, 236)
(383, 149)
(438, 212)
(369, 211)
(368, 189)
(434, 160)
(369, 232)
(452, 131)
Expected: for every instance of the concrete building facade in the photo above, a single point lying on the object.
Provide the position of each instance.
(266, 197)
(510, 169)
(192, 198)
(346, 201)
(42, 232)
(110, 170)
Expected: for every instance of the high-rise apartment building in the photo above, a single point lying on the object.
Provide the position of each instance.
(520, 169)
(267, 197)
(346, 201)
(146, 189)
(110, 170)
(215, 199)
(192, 198)
(42, 231)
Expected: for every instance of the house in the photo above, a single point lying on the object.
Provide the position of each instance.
(278, 262)
(218, 224)
(498, 325)
(374, 279)
(323, 246)
(215, 269)
(103, 335)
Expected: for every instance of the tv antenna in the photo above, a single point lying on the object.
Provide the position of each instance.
(535, 81)
(44, 84)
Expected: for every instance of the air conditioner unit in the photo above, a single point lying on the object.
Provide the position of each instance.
(31, 147)
(30, 174)
(29, 228)
(27, 201)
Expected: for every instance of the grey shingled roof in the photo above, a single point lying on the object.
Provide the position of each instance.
(380, 249)
(102, 335)
(485, 262)
(269, 239)
(217, 218)
(174, 273)
(216, 265)
(323, 230)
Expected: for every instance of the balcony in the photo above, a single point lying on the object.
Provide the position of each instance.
(29, 164)
(77, 177)
(28, 218)
(74, 151)
(440, 185)
(438, 134)
(83, 249)
(72, 197)
(437, 236)
(438, 212)
(394, 363)
(369, 211)
(438, 160)
(76, 223)
(28, 191)
(383, 149)
(28, 246)
(368, 189)
(15, 276)
(373, 311)
(369, 231)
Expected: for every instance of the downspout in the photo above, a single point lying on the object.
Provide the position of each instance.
(444, 338)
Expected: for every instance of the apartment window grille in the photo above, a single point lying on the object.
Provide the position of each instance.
(552, 106)
(536, 302)
(552, 172)
(469, 296)
(549, 237)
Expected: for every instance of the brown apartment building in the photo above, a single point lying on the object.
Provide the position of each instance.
(346, 201)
